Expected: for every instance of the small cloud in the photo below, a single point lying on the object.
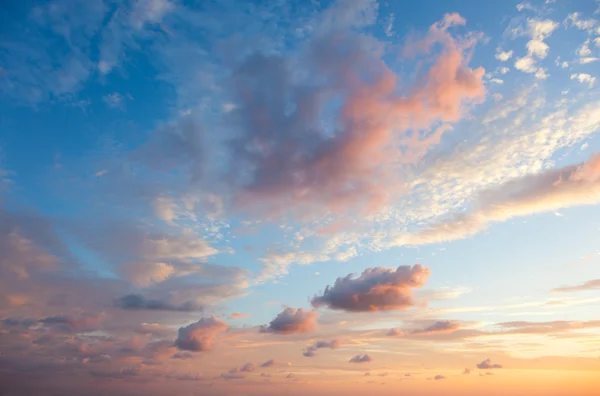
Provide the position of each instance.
(238, 315)
(199, 336)
(504, 56)
(487, 364)
(467, 371)
(589, 285)
(248, 368)
(101, 172)
(292, 320)
(439, 377)
(361, 359)
(310, 351)
(268, 363)
(584, 78)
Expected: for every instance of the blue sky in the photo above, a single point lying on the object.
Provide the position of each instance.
(162, 161)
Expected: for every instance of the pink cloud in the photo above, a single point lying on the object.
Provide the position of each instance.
(361, 359)
(374, 290)
(292, 320)
(199, 336)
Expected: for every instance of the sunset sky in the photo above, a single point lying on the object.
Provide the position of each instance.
(299, 197)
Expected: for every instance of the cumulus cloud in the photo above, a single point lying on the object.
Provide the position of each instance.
(311, 350)
(248, 368)
(374, 290)
(487, 364)
(285, 159)
(361, 359)
(504, 56)
(199, 336)
(589, 285)
(584, 78)
(268, 363)
(538, 30)
(292, 320)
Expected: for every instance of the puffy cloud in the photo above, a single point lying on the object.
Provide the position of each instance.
(310, 351)
(584, 78)
(487, 364)
(504, 56)
(374, 290)
(589, 285)
(361, 359)
(268, 363)
(292, 320)
(199, 336)
(248, 368)
(346, 168)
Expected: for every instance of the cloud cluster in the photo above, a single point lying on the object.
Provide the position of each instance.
(311, 350)
(199, 336)
(374, 290)
(548, 191)
(361, 359)
(292, 320)
(487, 364)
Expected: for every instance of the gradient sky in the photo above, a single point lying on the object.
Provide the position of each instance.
(310, 197)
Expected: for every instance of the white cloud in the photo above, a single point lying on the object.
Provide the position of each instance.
(503, 70)
(526, 64)
(497, 81)
(585, 61)
(503, 56)
(584, 78)
(584, 49)
(582, 24)
(537, 48)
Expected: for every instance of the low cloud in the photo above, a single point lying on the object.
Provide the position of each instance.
(361, 359)
(268, 363)
(199, 336)
(374, 290)
(292, 320)
(439, 377)
(248, 368)
(444, 326)
(487, 364)
(139, 302)
(311, 350)
(589, 285)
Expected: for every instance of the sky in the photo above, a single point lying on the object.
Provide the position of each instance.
(299, 197)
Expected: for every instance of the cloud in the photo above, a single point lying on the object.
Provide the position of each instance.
(199, 336)
(439, 377)
(268, 363)
(238, 315)
(584, 78)
(361, 359)
(232, 376)
(547, 191)
(292, 320)
(395, 332)
(504, 56)
(310, 351)
(589, 285)
(248, 368)
(184, 355)
(374, 290)
(467, 371)
(144, 274)
(342, 169)
(487, 364)
(444, 326)
(537, 49)
(139, 302)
